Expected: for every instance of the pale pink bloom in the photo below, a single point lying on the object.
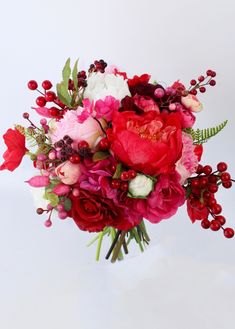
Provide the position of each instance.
(106, 108)
(187, 165)
(191, 103)
(88, 131)
(68, 172)
(146, 103)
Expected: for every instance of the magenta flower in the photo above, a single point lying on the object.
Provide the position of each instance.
(106, 108)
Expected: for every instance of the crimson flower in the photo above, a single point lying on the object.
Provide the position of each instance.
(16, 149)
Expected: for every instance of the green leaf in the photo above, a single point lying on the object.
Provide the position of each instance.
(74, 75)
(67, 204)
(118, 171)
(100, 156)
(63, 93)
(202, 136)
(51, 197)
(66, 72)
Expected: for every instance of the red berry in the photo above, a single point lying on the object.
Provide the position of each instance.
(203, 181)
(207, 170)
(41, 101)
(195, 182)
(225, 176)
(39, 211)
(213, 188)
(213, 179)
(222, 166)
(209, 72)
(199, 169)
(83, 144)
(211, 202)
(132, 173)
(213, 74)
(193, 82)
(104, 144)
(216, 209)
(215, 225)
(221, 219)
(124, 186)
(206, 195)
(125, 176)
(113, 168)
(46, 84)
(227, 184)
(196, 191)
(212, 83)
(201, 78)
(75, 159)
(115, 183)
(50, 96)
(205, 223)
(54, 111)
(32, 85)
(202, 89)
(193, 92)
(228, 232)
(25, 115)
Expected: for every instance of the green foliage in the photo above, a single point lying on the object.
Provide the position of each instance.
(201, 136)
(100, 156)
(62, 87)
(118, 171)
(74, 75)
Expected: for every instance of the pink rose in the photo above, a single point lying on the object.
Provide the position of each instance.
(191, 103)
(68, 172)
(167, 196)
(146, 103)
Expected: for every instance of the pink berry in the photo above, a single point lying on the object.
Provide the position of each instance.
(43, 122)
(48, 223)
(159, 92)
(62, 214)
(75, 192)
(52, 155)
(60, 207)
(172, 107)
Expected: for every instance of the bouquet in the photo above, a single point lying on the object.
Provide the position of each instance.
(113, 151)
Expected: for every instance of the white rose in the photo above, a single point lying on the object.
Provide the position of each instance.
(191, 103)
(100, 85)
(140, 186)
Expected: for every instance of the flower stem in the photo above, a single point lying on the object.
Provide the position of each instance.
(118, 246)
(100, 238)
(113, 244)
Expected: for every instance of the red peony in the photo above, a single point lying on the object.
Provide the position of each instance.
(150, 143)
(16, 149)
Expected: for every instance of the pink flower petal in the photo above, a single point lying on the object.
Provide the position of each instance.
(43, 111)
(39, 181)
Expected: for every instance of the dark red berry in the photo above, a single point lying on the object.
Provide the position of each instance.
(193, 82)
(83, 144)
(207, 170)
(213, 179)
(40, 211)
(132, 173)
(193, 92)
(221, 219)
(213, 188)
(202, 89)
(104, 144)
(50, 96)
(225, 176)
(212, 83)
(25, 115)
(54, 111)
(115, 183)
(222, 166)
(199, 169)
(125, 176)
(46, 84)
(228, 232)
(113, 168)
(216, 209)
(215, 225)
(75, 159)
(32, 85)
(213, 74)
(195, 182)
(201, 78)
(205, 223)
(41, 101)
(209, 72)
(227, 184)
(203, 181)
(124, 186)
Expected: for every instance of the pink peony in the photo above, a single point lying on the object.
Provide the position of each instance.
(146, 103)
(105, 108)
(69, 125)
(68, 172)
(188, 163)
(191, 103)
(167, 196)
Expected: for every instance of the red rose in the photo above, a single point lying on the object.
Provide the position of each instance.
(93, 212)
(15, 143)
(149, 143)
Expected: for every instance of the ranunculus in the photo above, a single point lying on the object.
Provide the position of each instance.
(16, 149)
(187, 164)
(68, 172)
(92, 212)
(101, 85)
(149, 143)
(106, 108)
(89, 130)
(163, 202)
(191, 103)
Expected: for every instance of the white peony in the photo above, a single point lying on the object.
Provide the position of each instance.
(140, 186)
(100, 85)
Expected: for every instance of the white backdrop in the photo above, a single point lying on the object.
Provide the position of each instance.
(48, 278)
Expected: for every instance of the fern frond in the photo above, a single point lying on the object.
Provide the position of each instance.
(201, 136)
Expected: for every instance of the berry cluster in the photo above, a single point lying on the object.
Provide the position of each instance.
(202, 196)
(122, 183)
(98, 66)
(201, 82)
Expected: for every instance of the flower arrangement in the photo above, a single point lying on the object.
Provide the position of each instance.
(112, 152)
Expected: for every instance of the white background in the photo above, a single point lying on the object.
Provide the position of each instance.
(48, 278)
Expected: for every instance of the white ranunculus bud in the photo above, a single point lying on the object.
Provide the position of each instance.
(140, 186)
